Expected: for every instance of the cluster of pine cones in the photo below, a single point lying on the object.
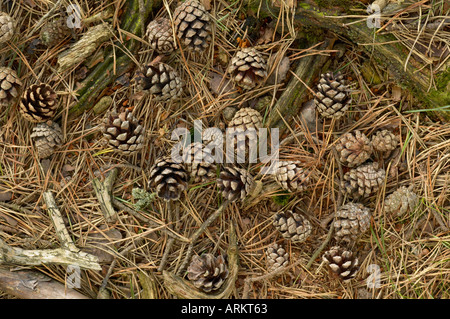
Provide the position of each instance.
(192, 26)
(38, 103)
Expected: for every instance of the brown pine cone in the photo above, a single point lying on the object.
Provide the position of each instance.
(363, 180)
(10, 85)
(332, 95)
(291, 176)
(47, 138)
(7, 27)
(192, 25)
(161, 80)
(168, 178)
(292, 226)
(277, 257)
(207, 272)
(235, 183)
(341, 262)
(123, 132)
(402, 201)
(354, 149)
(38, 103)
(199, 162)
(160, 36)
(244, 131)
(248, 68)
(52, 33)
(351, 221)
(384, 141)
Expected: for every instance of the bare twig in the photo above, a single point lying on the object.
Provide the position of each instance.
(104, 195)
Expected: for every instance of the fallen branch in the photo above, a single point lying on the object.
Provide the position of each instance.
(69, 254)
(27, 284)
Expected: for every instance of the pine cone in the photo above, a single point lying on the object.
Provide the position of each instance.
(402, 201)
(244, 129)
(192, 25)
(47, 138)
(123, 132)
(161, 80)
(9, 85)
(291, 176)
(54, 32)
(363, 180)
(351, 221)
(199, 162)
(277, 257)
(160, 36)
(248, 68)
(384, 141)
(354, 149)
(292, 226)
(235, 183)
(168, 178)
(207, 272)
(341, 262)
(332, 95)
(7, 27)
(38, 103)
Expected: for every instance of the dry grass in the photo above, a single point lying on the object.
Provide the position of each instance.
(413, 252)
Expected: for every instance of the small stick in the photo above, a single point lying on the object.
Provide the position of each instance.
(61, 230)
(171, 240)
(103, 192)
(198, 233)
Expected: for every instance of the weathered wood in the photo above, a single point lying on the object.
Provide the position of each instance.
(27, 284)
(112, 67)
(103, 191)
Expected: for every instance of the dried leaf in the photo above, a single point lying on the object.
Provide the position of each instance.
(266, 37)
(280, 72)
(219, 84)
(396, 93)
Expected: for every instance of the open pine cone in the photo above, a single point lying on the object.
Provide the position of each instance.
(363, 180)
(341, 262)
(161, 80)
(160, 35)
(7, 27)
(123, 132)
(47, 138)
(351, 221)
(277, 257)
(235, 183)
(199, 162)
(292, 226)
(10, 85)
(354, 148)
(291, 176)
(38, 103)
(332, 95)
(402, 201)
(168, 178)
(248, 68)
(207, 272)
(192, 25)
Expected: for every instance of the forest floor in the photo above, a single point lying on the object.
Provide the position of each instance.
(407, 256)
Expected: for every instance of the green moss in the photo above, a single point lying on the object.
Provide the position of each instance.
(282, 199)
(441, 95)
